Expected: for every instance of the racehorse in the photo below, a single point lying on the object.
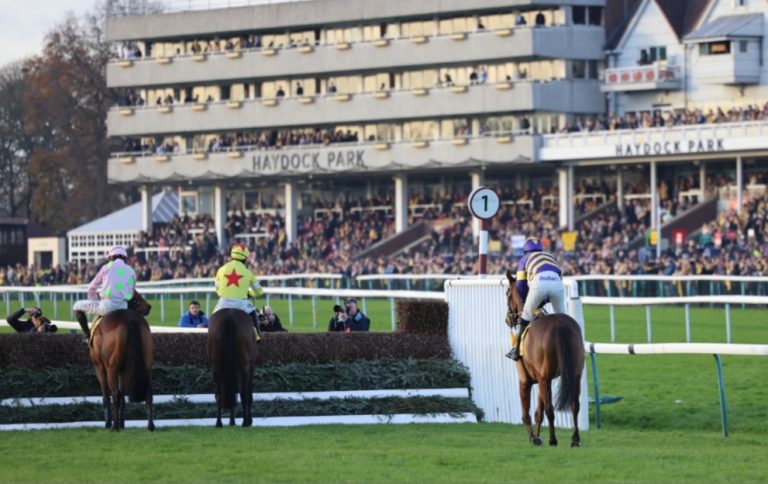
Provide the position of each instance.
(553, 348)
(232, 351)
(122, 352)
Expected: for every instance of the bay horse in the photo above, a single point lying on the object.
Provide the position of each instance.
(232, 351)
(122, 352)
(553, 348)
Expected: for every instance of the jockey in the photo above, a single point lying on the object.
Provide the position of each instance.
(109, 291)
(235, 283)
(538, 278)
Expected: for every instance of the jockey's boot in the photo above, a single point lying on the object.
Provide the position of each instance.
(255, 318)
(83, 320)
(514, 353)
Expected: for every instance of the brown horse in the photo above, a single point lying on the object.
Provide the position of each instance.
(122, 352)
(553, 348)
(232, 351)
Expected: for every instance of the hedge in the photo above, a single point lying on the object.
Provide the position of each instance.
(24, 350)
(78, 380)
(276, 408)
(422, 317)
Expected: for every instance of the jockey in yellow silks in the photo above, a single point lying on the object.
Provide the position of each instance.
(235, 283)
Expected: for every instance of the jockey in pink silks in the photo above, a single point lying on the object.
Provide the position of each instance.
(109, 291)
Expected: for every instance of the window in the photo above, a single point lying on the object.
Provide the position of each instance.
(743, 46)
(592, 70)
(578, 69)
(595, 15)
(657, 53)
(715, 48)
(579, 15)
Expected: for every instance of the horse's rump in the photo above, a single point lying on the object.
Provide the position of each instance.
(231, 339)
(126, 333)
(563, 334)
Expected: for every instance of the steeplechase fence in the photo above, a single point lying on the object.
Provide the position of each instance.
(480, 339)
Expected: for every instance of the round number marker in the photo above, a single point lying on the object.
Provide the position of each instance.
(484, 202)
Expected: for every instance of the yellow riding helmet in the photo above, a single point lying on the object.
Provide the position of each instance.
(239, 252)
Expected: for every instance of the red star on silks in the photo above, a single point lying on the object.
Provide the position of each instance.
(233, 279)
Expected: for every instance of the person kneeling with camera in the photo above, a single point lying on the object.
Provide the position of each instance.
(352, 318)
(37, 323)
(269, 322)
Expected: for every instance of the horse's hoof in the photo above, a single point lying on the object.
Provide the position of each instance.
(231, 423)
(553, 442)
(219, 424)
(151, 426)
(575, 444)
(536, 441)
(108, 425)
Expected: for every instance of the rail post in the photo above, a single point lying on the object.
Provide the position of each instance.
(612, 312)
(314, 311)
(596, 383)
(721, 385)
(162, 308)
(727, 323)
(290, 309)
(648, 328)
(687, 323)
(392, 311)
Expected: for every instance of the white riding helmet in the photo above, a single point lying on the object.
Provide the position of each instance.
(118, 251)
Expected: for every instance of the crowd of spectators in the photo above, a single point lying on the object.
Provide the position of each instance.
(657, 119)
(328, 240)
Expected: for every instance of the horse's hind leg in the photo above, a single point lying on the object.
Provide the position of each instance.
(575, 439)
(218, 408)
(525, 401)
(246, 396)
(148, 396)
(540, 406)
(232, 414)
(116, 398)
(549, 409)
(101, 374)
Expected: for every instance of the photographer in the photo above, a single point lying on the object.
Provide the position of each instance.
(269, 322)
(37, 323)
(353, 319)
(335, 324)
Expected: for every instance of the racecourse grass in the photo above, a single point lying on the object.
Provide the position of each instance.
(427, 453)
(665, 428)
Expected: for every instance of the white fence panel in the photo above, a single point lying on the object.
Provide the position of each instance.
(480, 339)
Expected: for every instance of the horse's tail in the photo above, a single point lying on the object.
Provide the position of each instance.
(228, 366)
(137, 387)
(567, 362)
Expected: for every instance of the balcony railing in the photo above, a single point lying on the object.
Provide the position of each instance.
(642, 78)
(368, 157)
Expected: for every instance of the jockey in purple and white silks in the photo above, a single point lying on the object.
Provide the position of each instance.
(109, 291)
(538, 278)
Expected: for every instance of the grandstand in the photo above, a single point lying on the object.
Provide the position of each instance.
(344, 137)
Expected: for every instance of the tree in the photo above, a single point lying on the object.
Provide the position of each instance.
(16, 144)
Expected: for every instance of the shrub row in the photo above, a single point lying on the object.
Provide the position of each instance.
(277, 408)
(422, 317)
(79, 380)
(45, 350)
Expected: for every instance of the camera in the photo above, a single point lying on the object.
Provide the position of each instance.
(262, 318)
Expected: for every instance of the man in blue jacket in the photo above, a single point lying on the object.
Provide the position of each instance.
(194, 318)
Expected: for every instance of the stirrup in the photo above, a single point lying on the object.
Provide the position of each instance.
(513, 354)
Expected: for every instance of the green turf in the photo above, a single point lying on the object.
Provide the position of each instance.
(665, 428)
(413, 453)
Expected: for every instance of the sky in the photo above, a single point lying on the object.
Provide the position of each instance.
(24, 23)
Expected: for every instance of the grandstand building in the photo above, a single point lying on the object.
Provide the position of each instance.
(287, 106)
(422, 93)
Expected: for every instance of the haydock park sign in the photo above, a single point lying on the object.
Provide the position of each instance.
(271, 163)
(670, 147)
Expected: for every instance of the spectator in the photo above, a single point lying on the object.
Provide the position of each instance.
(194, 318)
(299, 89)
(331, 87)
(37, 323)
(336, 324)
(483, 77)
(353, 319)
(269, 322)
(280, 92)
(540, 21)
(520, 20)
